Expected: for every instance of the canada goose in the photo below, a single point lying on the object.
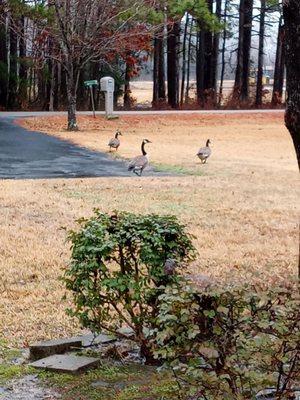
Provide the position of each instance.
(115, 142)
(204, 152)
(138, 164)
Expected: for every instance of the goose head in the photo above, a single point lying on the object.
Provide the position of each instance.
(146, 141)
(208, 142)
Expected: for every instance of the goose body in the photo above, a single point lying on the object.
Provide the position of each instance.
(204, 152)
(139, 163)
(115, 142)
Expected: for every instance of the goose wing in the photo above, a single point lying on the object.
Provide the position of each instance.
(139, 162)
(113, 142)
(204, 152)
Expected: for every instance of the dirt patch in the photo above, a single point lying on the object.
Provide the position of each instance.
(28, 388)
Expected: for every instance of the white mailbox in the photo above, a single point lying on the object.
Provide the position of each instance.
(107, 85)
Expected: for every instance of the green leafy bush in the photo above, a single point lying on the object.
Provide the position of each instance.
(120, 264)
(229, 344)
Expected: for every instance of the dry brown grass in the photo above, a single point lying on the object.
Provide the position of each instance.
(243, 207)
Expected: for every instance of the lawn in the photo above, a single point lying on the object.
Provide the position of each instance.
(242, 206)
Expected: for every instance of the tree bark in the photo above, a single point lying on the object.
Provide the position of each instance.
(215, 54)
(184, 59)
(200, 62)
(223, 51)
(259, 87)
(241, 85)
(279, 67)
(173, 42)
(23, 69)
(52, 86)
(159, 85)
(247, 49)
(72, 83)
(291, 14)
(13, 70)
(3, 61)
(189, 64)
(127, 88)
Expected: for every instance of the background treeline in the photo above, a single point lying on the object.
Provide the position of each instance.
(190, 47)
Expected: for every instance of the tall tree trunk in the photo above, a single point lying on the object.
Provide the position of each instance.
(205, 70)
(215, 54)
(52, 86)
(279, 67)
(13, 70)
(43, 95)
(184, 59)
(159, 85)
(189, 63)
(247, 49)
(3, 60)
(291, 14)
(72, 84)
(241, 85)
(173, 42)
(259, 87)
(223, 51)
(208, 49)
(200, 62)
(23, 78)
(127, 87)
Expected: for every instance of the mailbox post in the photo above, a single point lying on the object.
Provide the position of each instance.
(90, 85)
(107, 85)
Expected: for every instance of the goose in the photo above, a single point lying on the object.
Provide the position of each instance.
(204, 152)
(115, 142)
(138, 164)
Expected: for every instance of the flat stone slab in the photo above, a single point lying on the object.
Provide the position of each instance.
(91, 340)
(269, 394)
(66, 363)
(49, 347)
(127, 332)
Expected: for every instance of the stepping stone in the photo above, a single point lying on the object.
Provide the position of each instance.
(66, 363)
(269, 394)
(102, 384)
(49, 347)
(126, 331)
(90, 339)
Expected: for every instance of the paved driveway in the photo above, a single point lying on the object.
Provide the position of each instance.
(25, 155)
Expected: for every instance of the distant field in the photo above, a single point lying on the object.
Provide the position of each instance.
(142, 90)
(243, 206)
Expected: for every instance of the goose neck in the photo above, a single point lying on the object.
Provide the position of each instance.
(143, 149)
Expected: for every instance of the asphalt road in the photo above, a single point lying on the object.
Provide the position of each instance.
(16, 114)
(30, 155)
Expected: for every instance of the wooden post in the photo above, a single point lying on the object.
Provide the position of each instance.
(92, 98)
